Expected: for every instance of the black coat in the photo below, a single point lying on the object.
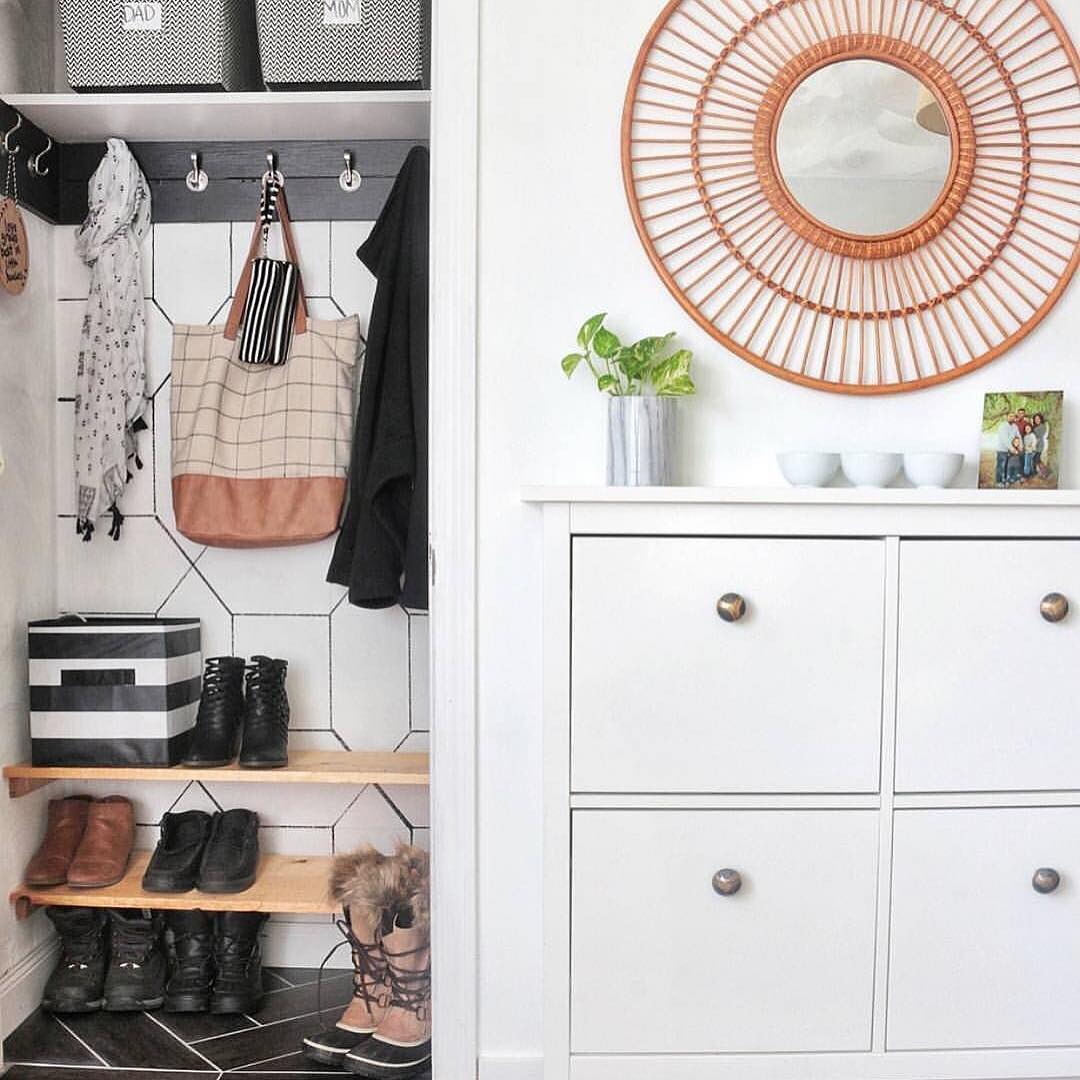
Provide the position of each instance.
(381, 553)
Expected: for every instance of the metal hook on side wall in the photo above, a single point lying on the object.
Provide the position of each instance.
(350, 180)
(34, 164)
(8, 148)
(197, 181)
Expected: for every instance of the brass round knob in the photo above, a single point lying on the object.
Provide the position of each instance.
(731, 607)
(1045, 880)
(1054, 607)
(727, 882)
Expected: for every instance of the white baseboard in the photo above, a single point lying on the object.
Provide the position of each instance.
(511, 1068)
(22, 987)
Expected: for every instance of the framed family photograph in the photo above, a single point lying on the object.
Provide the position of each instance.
(1021, 440)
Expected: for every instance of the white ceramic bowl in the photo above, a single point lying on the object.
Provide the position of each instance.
(871, 469)
(805, 468)
(933, 470)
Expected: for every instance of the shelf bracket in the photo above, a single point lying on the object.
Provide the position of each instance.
(18, 786)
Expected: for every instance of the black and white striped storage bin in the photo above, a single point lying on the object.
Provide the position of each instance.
(378, 44)
(113, 691)
(160, 45)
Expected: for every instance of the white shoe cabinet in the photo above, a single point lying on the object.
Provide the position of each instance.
(812, 784)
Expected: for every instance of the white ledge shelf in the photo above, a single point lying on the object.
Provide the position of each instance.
(791, 496)
(252, 117)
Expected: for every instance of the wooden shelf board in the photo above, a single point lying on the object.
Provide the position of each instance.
(305, 767)
(292, 884)
(259, 117)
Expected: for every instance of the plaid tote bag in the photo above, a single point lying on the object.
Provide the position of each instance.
(260, 453)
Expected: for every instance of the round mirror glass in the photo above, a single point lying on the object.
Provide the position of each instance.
(863, 146)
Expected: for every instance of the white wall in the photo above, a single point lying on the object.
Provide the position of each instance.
(557, 244)
(27, 579)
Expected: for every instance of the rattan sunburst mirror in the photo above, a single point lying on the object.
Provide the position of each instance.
(862, 196)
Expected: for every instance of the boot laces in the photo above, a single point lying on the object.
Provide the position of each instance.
(77, 953)
(409, 990)
(265, 691)
(369, 967)
(191, 960)
(215, 678)
(131, 946)
(233, 955)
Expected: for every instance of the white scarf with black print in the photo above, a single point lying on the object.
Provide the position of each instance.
(111, 388)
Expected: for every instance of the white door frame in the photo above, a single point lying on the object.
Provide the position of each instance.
(455, 145)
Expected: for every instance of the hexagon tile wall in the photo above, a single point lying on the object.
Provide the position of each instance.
(357, 679)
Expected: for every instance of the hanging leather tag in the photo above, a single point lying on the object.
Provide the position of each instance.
(14, 249)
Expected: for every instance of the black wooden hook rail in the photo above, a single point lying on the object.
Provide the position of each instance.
(311, 171)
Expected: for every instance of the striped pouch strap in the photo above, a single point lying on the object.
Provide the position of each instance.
(258, 241)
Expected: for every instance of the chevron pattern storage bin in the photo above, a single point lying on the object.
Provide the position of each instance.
(167, 45)
(377, 44)
(113, 691)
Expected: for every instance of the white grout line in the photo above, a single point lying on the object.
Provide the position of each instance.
(82, 1041)
(216, 1072)
(188, 1046)
(262, 1027)
(278, 1057)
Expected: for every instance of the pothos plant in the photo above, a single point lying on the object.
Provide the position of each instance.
(631, 370)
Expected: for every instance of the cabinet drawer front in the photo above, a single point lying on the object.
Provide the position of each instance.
(980, 959)
(668, 696)
(662, 963)
(986, 683)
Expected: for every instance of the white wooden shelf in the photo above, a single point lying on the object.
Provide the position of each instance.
(224, 117)
(792, 496)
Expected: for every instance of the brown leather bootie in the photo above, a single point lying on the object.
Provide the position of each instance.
(64, 831)
(103, 855)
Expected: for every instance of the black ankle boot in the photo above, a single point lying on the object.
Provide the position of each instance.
(216, 739)
(137, 966)
(77, 984)
(266, 715)
(238, 961)
(190, 940)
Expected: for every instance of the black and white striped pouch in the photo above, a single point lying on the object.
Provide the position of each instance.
(270, 310)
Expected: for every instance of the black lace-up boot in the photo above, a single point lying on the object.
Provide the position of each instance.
(77, 984)
(216, 739)
(238, 962)
(190, 941)
(137, 969)
(266, 715)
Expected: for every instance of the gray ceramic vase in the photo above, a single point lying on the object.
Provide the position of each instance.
(641, 441)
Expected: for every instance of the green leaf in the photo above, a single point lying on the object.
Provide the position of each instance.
(588, 331)
(570, 363)
(606, 382)
(605, 344)
(671, 376)
(630, 361)
(648, 349)
(683, 386)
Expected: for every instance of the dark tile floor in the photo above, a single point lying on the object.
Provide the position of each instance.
(177, 1046)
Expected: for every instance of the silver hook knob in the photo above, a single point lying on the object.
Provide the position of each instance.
(350, 180)
(34, 164)
(197, 181)
(8, 148)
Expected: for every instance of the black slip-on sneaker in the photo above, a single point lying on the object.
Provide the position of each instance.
(174, 865)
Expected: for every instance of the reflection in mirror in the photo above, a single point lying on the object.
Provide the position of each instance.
(857, 151)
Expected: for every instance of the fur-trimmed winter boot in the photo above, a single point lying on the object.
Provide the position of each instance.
(401, 1045)
(366, 884)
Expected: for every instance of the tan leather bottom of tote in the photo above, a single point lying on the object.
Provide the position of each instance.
(223, 512)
